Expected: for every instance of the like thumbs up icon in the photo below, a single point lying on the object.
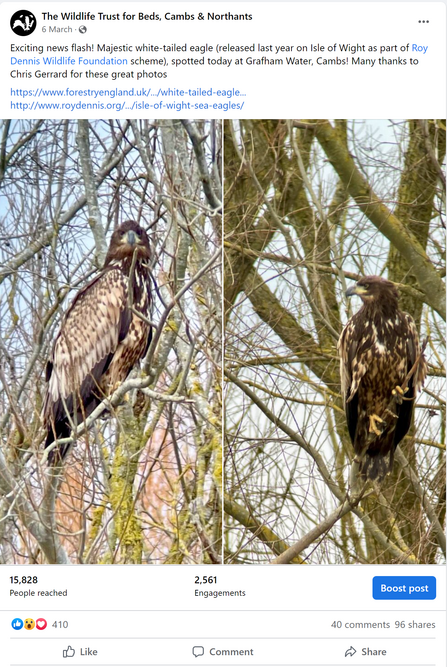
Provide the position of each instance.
(68, 652)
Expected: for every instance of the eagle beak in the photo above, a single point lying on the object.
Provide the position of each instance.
(131, 237)
(355, 289)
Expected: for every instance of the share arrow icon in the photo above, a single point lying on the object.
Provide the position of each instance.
(351, 651)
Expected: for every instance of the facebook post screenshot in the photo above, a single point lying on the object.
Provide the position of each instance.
(222, 334)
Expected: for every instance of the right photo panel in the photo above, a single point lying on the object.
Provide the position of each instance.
(334, 341)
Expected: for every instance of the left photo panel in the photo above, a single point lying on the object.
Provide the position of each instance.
(110, 341)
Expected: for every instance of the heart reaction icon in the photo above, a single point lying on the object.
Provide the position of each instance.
(41, 624)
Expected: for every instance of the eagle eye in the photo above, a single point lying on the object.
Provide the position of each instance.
(365, 285)
(139, 232)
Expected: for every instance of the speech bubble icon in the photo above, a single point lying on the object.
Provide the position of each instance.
(197, 650)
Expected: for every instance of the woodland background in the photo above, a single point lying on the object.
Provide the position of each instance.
(144, 485)
(311, 206)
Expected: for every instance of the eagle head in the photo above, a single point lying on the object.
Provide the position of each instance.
(127, 238)
(374, 288)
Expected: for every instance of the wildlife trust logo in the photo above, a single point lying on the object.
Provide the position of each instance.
(23, 23)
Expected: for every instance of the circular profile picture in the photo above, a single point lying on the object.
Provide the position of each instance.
(23, 23)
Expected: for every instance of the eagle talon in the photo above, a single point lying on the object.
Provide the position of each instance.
(392, 414)
(115, 387)
(372, 424)
(398, 393)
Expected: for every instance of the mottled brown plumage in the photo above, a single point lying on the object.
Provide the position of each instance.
(377, 348)
(100, 339)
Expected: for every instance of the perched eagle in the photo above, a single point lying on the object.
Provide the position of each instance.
(378, 347)
(100, 338)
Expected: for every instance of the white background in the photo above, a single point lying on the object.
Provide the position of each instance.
(275, 606)
(359, 91)
(286, 615)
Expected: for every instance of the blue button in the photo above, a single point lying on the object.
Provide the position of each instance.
(404, 588)
(17, 623)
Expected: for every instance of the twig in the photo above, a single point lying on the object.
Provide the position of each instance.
(197, 144)
(130, 281)
(421, 494)
(322, 528)
(258, 529)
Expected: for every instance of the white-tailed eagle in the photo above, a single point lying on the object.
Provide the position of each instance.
(378, 347)
(100, 339)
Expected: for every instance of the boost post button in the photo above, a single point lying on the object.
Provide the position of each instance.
(404, 588)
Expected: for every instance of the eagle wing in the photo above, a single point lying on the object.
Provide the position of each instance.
(96, 322)
(416, 381)
(356, 356)
(352, 368)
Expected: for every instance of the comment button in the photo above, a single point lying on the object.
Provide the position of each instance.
(404, 588)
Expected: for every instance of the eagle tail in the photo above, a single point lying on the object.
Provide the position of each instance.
(57, 454)
(376, 466)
